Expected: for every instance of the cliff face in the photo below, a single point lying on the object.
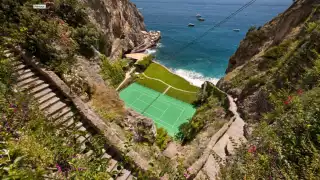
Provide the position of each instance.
(267, 59)
(271, 34)
(120, 21)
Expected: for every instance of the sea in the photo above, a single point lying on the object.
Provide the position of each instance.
(206, 58)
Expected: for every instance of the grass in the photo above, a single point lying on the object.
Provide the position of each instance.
(152, 84)
(159, 72)
(183, 96)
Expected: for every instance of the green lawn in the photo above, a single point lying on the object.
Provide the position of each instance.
(159, 72)
(152, 84)
(186, 97)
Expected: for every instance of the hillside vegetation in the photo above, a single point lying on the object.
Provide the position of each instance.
(30, 146)
(279, 95)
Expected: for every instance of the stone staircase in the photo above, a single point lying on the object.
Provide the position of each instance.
(61, 111)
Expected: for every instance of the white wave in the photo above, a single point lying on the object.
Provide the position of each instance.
(150, 51)
(194, 78)
(160, 45)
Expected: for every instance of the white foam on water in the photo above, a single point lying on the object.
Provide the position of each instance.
(150, 51)
(160, 45)
(195, 78)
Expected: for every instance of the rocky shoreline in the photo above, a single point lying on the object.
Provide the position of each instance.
(151, 39)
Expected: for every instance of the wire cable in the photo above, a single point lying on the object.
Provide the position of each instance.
(176, 53)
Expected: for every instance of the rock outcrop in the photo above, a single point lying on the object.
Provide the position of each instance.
(255, 70)
(143, 128)
(120, 21)
(271, 34)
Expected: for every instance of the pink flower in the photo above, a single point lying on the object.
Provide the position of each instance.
(189, 169)
(252, 149)
(59, 168)
(288, 100)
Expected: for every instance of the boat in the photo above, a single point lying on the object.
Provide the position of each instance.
(191, 25)
(201, 19)
(198, 15)
(236, 30)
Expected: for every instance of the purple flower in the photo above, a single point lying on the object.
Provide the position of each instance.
(59, 168)
(81, 169)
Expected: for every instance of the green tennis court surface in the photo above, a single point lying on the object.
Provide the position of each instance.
(165, 111)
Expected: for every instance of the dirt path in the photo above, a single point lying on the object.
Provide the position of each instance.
(128, 75)
(221, 145)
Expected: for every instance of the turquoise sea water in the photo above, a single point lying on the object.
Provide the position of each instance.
(208, 58)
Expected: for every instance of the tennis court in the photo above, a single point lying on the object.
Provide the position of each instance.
(165, 111)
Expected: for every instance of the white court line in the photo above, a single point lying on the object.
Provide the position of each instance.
(135, 100)
(182, 109)
(146, 93)
(158, 119)
(163, 99)
(178, 118)
(164, 112)
(166, 90)
(173, 103)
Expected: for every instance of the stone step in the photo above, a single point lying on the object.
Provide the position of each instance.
(20, 67)
(106, 156)
(49, 103)
(111, 165)
(46, 97)
(23, 71)
(27, 87)
(124, 175)
(81, 139)
(83, 129)
(43, 92)
(89, 153)
(64, 118)
(68, 123)
(79, 126)
(39, 86)
(8, 55)
(56, 116)
(28, 81)
(25, 76)
(16, 62)
(55, 108)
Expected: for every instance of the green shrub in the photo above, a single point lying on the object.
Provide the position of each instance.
(312, 76)
(162, 138)
(112, 72)
(256, 36)
(252, 28)
(86, 36)
(72, 12)
(205, 115)
(290, 148)
(145, 62)
(278, 51)
(31, 148)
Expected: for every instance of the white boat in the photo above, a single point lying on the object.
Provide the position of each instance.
(236, 30)
(198, 15)
(190, 25)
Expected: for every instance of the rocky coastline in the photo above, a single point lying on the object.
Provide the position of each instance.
(151, 38)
